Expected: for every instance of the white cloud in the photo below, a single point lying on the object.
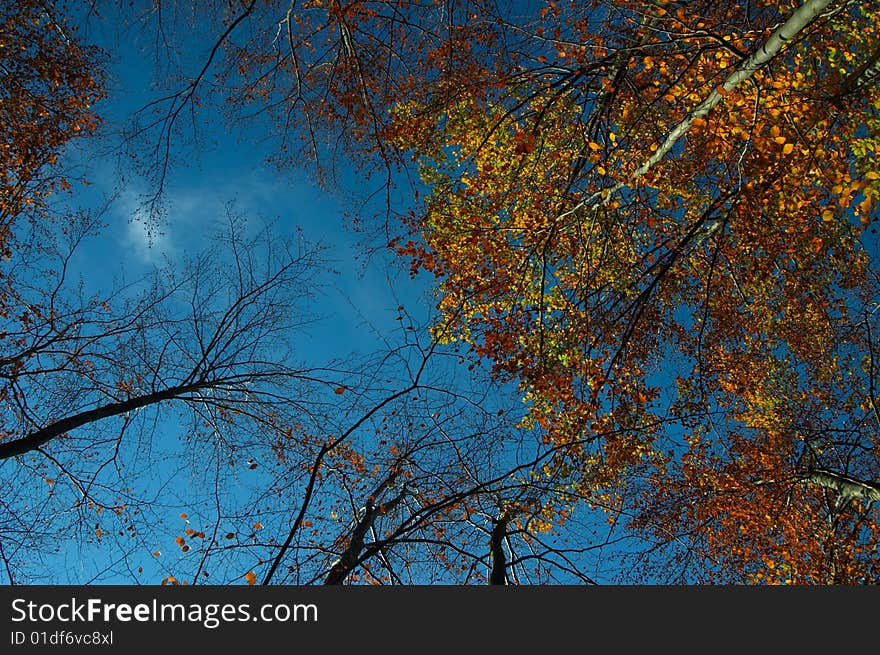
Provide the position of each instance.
(187, 214)
(150, 245)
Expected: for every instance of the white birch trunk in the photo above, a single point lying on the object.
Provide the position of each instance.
(846, 487)
(787, 31)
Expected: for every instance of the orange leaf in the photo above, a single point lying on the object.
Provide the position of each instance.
(339, 390)
(251, 577)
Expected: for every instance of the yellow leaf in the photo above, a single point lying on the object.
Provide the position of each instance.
(774, 131)
(872, 175)
(828, 216)
(787, 148)
(780, 140)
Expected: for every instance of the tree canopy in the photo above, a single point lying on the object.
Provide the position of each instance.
(649, 233)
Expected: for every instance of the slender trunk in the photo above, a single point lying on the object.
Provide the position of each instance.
(498, 574)
(350, 557)
(802, 17)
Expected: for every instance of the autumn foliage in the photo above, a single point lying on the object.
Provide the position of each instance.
(49, 84)
(634, 211)
(730, 273)
(652, 223)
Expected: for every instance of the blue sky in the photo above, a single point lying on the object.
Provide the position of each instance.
(228, 167)
(215, 166)
(358, 301)
(356, 305)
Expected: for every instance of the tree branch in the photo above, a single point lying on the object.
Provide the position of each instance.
(40, 437)
(796, 22)
(847, 487)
